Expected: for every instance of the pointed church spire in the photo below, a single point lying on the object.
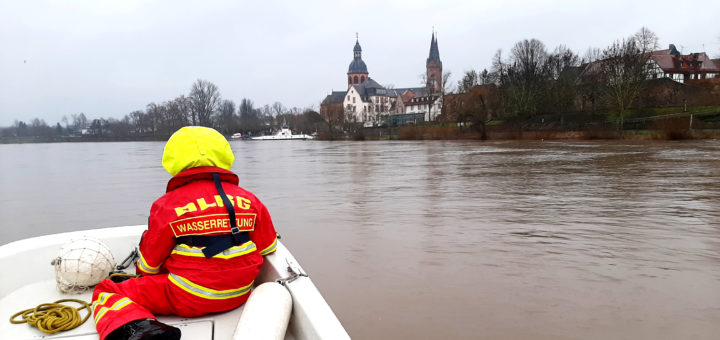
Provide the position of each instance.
(434, 50)
(433, 75)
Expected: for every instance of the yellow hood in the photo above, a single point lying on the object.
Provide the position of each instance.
(194, 146)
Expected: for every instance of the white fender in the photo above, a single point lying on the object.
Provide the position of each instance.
(266, 313)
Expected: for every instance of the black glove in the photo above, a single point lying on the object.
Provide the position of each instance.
(120, 276)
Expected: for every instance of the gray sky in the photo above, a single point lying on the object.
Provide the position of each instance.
(108, 58)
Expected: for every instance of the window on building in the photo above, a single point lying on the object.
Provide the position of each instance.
(356, 80)
(362, 79)
(353, 100)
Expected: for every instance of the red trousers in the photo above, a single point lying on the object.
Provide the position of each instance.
(115, 304)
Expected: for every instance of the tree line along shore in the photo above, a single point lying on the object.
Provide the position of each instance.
(531, 93)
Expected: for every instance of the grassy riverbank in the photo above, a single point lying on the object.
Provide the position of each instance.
(667, 123)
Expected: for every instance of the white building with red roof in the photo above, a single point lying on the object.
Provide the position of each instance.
(670, 63)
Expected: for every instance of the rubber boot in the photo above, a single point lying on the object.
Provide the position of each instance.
(146, 329)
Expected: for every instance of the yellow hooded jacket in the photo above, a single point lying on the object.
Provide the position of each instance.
(194, 146)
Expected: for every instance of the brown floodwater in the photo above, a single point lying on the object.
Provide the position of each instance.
(442, 239)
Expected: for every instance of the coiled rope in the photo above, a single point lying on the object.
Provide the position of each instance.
(54, 317)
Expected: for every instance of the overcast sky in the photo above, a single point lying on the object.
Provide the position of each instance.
(108, 58)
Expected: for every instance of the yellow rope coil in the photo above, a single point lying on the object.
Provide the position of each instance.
(54, 317)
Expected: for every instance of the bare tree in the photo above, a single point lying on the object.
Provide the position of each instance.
(468, 81)
(226, 122)
(560, 60)
(475, 106)
(154, 116)
(499, 69)
(278, 109)
(136, 118)
(205, 99)
(335, 117)
(563, 69)
(527, 74)
(248, 114)
(79, 121)
(590, 82)
(446, 87)
(624, 71)
(646, 40)
(485, 78)
(178, 112)
(592, 54)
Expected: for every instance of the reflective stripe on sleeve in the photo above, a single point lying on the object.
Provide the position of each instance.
(207, 293)
(144, 266)
(270, 248)
(101, 299)
(245, 248)
(118, 305)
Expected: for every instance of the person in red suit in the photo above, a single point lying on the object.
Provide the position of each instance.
(203, 248)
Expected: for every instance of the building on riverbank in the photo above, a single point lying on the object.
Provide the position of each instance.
(366, 100)
(670, 63)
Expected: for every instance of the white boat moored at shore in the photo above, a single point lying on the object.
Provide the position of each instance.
(284, 134)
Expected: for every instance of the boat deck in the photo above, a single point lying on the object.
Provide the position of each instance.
(29, 280)
(215, 326)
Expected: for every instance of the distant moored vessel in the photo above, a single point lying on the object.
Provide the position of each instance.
(284, 134)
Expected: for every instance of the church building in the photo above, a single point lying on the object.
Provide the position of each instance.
(367, 101)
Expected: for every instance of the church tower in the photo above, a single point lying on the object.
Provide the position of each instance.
(357, 72)
(433, 75)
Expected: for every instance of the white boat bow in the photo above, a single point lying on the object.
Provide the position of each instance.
(29, 280)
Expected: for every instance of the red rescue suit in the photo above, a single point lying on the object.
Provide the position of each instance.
(177, 278)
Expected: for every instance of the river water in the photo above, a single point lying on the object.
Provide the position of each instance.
(442, 239)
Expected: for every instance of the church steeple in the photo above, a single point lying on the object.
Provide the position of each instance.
(357, 71)
(434, 51)
(357, 51)
(433, 67)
